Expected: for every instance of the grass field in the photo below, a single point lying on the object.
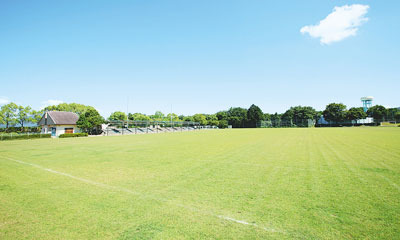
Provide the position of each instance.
(333, 183)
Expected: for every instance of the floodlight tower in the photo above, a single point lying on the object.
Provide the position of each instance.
(367, 102)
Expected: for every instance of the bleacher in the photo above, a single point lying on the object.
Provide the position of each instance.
(113, 130)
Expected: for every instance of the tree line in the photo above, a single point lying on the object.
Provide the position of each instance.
(89, 119)
(12, 114)
(338, 113)
(237, 117)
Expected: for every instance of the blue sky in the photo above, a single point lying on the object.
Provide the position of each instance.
(198, 56)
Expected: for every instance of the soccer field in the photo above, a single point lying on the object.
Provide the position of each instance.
(333, 183)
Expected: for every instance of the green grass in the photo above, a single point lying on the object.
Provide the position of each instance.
(333, 183)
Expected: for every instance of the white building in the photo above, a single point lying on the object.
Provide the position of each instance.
(57, 123)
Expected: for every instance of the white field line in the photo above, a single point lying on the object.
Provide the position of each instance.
(247, 223)
(102, 185)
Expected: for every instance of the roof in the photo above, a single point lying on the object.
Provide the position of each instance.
(59, 118)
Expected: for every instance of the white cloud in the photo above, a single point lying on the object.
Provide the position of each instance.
(50, 102)
(4, 100)
(342, 23)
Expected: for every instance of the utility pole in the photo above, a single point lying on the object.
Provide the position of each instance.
(127, 106)
(171, 119)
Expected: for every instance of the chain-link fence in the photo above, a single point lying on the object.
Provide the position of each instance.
(304, 123)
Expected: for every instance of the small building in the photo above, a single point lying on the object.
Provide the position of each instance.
(57, 122)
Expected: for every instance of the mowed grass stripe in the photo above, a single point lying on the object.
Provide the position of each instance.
(146, 197)
(308, 183)
(142, 195)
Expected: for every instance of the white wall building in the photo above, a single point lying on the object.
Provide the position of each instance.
(57, 123)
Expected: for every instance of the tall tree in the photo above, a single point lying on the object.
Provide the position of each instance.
(222, 115)
(2, 118)
(397, 116)
(335, 112)
(378, 112)
(200, 118)
(212, 119)
(276, 120)
(391, 113)
(172, 116)
(69, 107)
(356, 113)
(237, 117)
(138, 117)
(222, 124)
(117, 116)
(300, 115)
(36, 115)
(24, 115)
(158, 116)
(254, 116)
(267, 117)
(188, 119)
(90, 121)
(181, 117)
(9, 112)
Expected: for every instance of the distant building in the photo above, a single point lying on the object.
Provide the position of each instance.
(57, 123)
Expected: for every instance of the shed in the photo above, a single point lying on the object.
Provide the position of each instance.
(58, 122)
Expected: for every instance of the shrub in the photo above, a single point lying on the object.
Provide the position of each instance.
(69, 135)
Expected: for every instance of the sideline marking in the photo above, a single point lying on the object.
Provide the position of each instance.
(139, 194)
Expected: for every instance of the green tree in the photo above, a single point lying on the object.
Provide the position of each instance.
(90, 121)
(188, 119)
(378, 112)
(391, 113)
(158, 116)
(318, 116)
(276, 120)
(356, 113)
(36, 115)
(24, 115)
(222, 115)
(335, 112)
(397, 116)
(69, 107)
(9, 113)
(181, 117)
(300, 115)
(254, 116)
(237, 117)
(267, 117)
(212, 119)
(200, 118)
(222, 124)
(175, 117)
(138, 117)
(1, 118)
(117, 116)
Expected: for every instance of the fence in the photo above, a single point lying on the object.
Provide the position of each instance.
(279, 123)
(361, 122)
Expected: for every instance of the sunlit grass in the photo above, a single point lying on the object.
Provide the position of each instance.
(332, 183)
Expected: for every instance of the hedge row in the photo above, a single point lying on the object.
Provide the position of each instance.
(20, 129)
(69, 135)
(4, 137)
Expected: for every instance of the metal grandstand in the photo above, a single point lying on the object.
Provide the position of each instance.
(119, 127)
